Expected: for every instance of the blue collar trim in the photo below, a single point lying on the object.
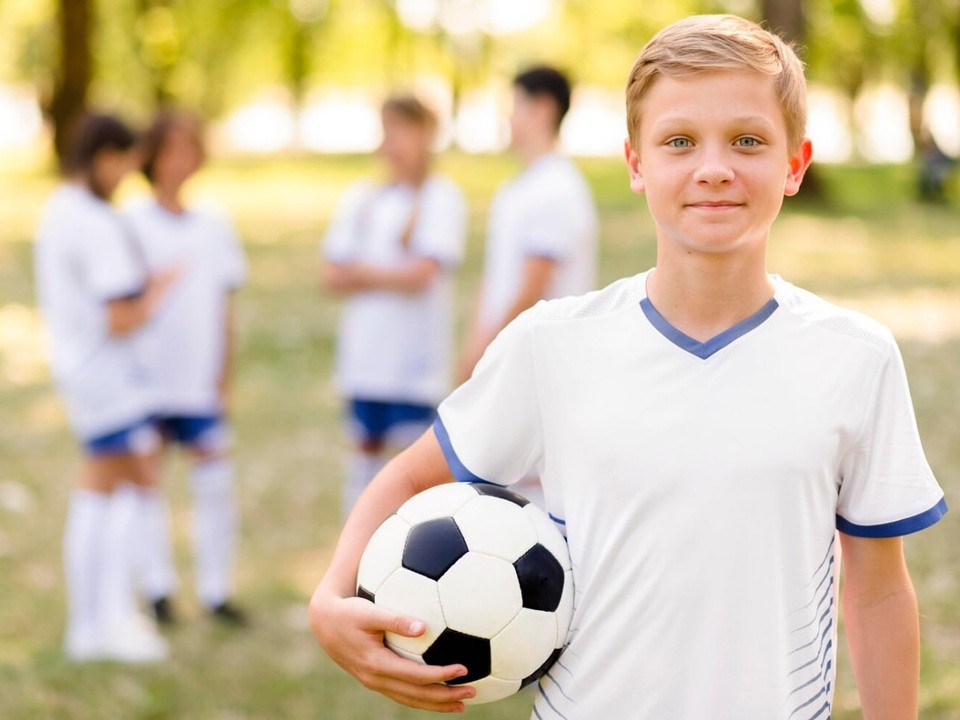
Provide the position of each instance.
(703, 350)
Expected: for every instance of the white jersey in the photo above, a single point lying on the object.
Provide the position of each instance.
(546, 211)
(396, 347)
(182, 347)
(83, 260)
(701, 486)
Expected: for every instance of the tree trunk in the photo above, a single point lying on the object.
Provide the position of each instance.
(75, 19)
(788, 20)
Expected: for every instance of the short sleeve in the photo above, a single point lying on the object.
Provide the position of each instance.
(489, 428)
(234, 259)
(441, 226)
(340, 241)
(887, 487)
(549, 229)
(110, 260)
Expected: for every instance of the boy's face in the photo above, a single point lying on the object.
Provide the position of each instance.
(532, 117)
(180, 156)
(406, 145)
(713, 160)
(110, 167)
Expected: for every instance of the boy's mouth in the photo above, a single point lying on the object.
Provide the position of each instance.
(718, 204)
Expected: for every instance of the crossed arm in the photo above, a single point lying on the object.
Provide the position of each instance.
(883, 634)
(411, 278)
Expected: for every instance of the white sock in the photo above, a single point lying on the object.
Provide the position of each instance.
(361, 469)
(82, 549)
(158, 577)
(214, 528)
(119, 540)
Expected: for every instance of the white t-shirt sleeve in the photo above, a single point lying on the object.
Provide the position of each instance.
(887, 487)
(110, 263)
(234, 260)
(340, 241)
(549, 229)
(441, 225)
(489, 428)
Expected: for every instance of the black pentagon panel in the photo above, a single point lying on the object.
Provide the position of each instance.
(541, 579)
(501, 492)
(457, 648)
(542, 670)
(362, 592)
(433, 546)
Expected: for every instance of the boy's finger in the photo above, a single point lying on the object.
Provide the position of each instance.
(378, 620)
(412, 672)
(433, 694)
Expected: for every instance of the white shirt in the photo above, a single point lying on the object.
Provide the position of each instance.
(182, 347)
(546, 211)
(396, 347)
(700, 486)
(83, 260)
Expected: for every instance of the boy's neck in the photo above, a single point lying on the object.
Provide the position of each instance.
(703, 295)
(168, 199)
(536, 148)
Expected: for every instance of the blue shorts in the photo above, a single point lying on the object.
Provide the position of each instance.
(373, 419)
(206, 433)
(139, 438)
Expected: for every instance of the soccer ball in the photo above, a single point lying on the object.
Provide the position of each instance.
(487, 572)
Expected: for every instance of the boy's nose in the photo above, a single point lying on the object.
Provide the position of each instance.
(713, 170)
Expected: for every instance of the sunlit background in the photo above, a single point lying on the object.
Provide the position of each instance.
(308, 75)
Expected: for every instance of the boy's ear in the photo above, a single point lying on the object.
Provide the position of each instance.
(633, 167)
(798, 164)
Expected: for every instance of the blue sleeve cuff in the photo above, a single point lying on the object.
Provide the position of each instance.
(459, 470)
(897, 527)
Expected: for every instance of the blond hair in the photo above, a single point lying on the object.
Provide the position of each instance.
(702, 43)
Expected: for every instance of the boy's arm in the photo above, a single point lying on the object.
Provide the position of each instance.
(128, 314)
(883, 633)
(412, 278)
(351, 629)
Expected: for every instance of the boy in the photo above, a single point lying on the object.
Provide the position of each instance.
(391, 250)
(96, 297)
(702, 429)
(187, 357)
(542, 228)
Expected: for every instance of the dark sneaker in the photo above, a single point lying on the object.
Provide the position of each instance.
(229, 614)
(163, 611)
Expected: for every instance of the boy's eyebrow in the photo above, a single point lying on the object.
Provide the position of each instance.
(668, 120)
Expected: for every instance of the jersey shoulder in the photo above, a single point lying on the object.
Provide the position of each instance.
(611, 299)
(843, 324)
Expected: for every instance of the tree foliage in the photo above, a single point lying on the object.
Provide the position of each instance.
(213, 55)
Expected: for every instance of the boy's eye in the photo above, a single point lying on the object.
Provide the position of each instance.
(747, 142)
(679, 142)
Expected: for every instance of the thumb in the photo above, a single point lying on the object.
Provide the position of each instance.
(385, 621)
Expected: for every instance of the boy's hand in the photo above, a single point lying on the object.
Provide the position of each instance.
(351, 630)
(159, 283)
(339, 279)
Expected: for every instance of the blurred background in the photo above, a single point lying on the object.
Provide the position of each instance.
(291, 90)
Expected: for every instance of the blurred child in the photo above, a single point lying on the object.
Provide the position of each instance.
(390, 250)
(95, 293)
(187, 354)
(542, 228)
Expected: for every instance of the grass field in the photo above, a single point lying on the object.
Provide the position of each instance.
(872, 247)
